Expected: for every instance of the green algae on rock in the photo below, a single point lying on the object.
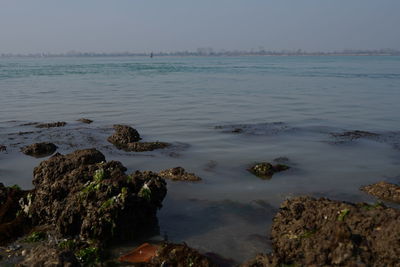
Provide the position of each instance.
(266, 170)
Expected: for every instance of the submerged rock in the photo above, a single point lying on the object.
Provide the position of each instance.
(39, 149)
(51, 124)
(13, 222)
(127, 138)
(265, 170)
(321, 232)
(384, 190)
(179, 174)
(145, 146)
(83, 120)
(82, 195)
(3, 148)
(353, 135)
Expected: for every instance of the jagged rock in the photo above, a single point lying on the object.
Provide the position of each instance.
(145, 146)
(384, 190)
(265, 170)
(178, 174)
(39, 149)
(51, 124)
(126, 138)
(83, 120)
(13, 223)
(123, 135)
(44, 255)
(321, 232)
(82, 195)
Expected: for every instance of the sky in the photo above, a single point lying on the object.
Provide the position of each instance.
(58, 26)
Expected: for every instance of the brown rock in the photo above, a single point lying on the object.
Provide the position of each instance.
(39, 149)
(51, 124)
(321, 232)
(82, 195)
(145, 146)
(383, 190)
(179, 174)
(87, 121)
(123, 135)
(265, 170)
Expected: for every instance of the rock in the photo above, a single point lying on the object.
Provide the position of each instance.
(353, 135)
(51, 124)
(83, 120)
(82, 195)
(3, 148)
(44, 255)
(145, 146)
(263, 260)
(142, 254)
(126, 138)
(321, 232)
(178, 174)
(39, 149)
(178, 255)
(123, 135)
(13, 223)
(265, 170)
(383, 190)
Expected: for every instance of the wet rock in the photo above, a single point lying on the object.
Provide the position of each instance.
(82, 195)
(44, 255)
(123, 135)
(126, 138)
(145, 146)
(263, 260)
(3, 148)
(321, 232)
(179, 256)
(353, 135)
(39, 149)
(13, 222)
(83, 120)
(51, 124)
(179, 174)
(29, 124)
(384, 190)
(265, 170)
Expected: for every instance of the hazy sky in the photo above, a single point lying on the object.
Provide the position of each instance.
(171, 25)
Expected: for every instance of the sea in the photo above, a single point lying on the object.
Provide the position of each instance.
(221, 115)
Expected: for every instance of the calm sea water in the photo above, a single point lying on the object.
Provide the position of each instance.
(288, 106)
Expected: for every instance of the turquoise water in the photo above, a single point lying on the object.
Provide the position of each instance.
(181, 100)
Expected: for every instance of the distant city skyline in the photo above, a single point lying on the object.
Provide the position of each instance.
(102, 26)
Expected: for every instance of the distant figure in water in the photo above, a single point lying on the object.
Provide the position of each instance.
(151, 55)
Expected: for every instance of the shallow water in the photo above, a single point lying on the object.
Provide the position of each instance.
(287, 106)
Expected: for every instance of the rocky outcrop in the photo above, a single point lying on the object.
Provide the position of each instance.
(39, 149)
(179, 174)
(384, 190)
(127, 138)
(321, 232)
(82, 195)
(265, 170)
(123, 135)
(13, 223)
(51, 124)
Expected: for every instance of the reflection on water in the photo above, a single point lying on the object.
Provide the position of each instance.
(284, 107)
